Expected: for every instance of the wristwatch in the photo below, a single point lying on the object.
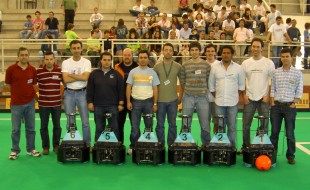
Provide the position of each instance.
(155, 104)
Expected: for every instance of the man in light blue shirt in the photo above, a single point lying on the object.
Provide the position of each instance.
(226, 81)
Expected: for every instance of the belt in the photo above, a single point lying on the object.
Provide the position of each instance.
(282, 103)
(76, 90)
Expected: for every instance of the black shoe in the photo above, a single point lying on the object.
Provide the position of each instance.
(291, 161)
(240, 152)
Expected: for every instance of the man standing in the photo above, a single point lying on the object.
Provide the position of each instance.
(286, 90)
(105, 94)
(294, 34)
(258, 73)
(93, 49)
(194, 81)
(75, 73)
(168, 72)
(124, 68)
(141, 94)
(69, 10)
(52, 26)
(278, 34)
(49, 77)
(20, 80)
(226, 82)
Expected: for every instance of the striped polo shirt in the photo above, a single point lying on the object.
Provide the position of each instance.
(49, 86)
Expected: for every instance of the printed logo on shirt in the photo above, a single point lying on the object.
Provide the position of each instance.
(111, 76)
(29, 81)
(55, 77)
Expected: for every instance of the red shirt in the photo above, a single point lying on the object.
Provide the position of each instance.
(21, 81)
(49, 86)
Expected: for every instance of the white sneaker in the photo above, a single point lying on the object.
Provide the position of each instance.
(13, 156)
(34, 153)
(129, 152)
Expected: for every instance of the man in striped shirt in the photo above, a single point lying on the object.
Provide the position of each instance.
(194, 81)
(286, 90)
(49, 77)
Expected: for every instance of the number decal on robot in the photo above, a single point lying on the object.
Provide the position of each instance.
(184, 137)
(107, 136)
(220, 137)
(148, 136)
(72, 135)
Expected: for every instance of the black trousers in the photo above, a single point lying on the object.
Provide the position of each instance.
(69, 18)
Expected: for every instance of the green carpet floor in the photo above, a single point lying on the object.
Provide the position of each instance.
(29, 173)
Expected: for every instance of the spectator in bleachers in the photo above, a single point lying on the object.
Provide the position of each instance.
(175, 30)
(156, 47)
(27, 29)
(240, 37)
(70, 35)
(164, 24)
(197, 5)
(52, 25)
(107, 44)
(194, 34)
(262, 23)
(158, 29)
(137, 8)
(294, 34)
(288, 23)
(248, 18)
(185, 32)
(271, 18)
(120, 31)
(98, 31)
(112, 34)
(221, 16)
(306, 46)
(47, 46)
(221, 45)
(145, 45)
(141, 24)
(258, 11)
(183, 6)
(210, 19)
(217, 31)
(174, 41)
(199, 11)
(217, 7)
(244, 4)
(207, 4)
(38, 24)
(96, 18)
(177, 23)
(233, 10)
(236, 19)
(190, 14)
(211, 35)
(93, 49)
(229, 27)
(133, 45)
(201, 40)
(152, 23)
(0, 21)
(69, 10)
(152, 9)
(278, 34)
(188, 21)
(199, 23)
(228, 6)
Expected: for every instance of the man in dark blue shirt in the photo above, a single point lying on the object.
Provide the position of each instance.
(52, 26)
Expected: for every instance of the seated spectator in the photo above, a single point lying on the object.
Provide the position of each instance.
(241, 36)
(164, 24)
(262, 23)
(183, 6)
(185, 32)
(236, 19)
(47, 46)
(229, 27)
(233, 10)
(70, 35)
(112, 34)
(177, 23)
(93, 49)
(161, 33)
(137, 8)
(154, 56)
(217, 31)
(27, 29)
(201, 39)
(107, 44)
(152, 24)
(38, 24)
(96, 18)
(221, 16)
(152, 9)
(52, 25)
(199, 23)
(207, 4)
(174, 41)
(228, 6)
(133, 36)
(157, 36)
(199, 11)
(211, 35)
(145, 44)
(194, 35)
(175, 30)
(248, 18)
(98, 31)
(141, 24)
(188, 21)
(258, 11)
(222, 43)
(197, 5)
(210, 19)
(185, 52)
(244, 4)
(217, 7)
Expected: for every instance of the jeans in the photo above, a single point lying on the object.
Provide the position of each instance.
(121, 122)
(277, 114)
(201, 103)
(50, 31)
(248, 114)
(26, 112)
(276, 53)
(170, 109)
(96, 23)
(240, 48)
(139, 107)
(25, 34)
(44, 117)
(78, 98)
(100, 119)
(231, 113)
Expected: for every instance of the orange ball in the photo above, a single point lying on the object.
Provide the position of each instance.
(263, 163)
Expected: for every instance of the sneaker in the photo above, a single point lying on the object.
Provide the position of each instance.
(129, 152)
(56, 149)
(261, 34)
(45, 151)
(34, 153)
(291, 161)
(13, 156)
